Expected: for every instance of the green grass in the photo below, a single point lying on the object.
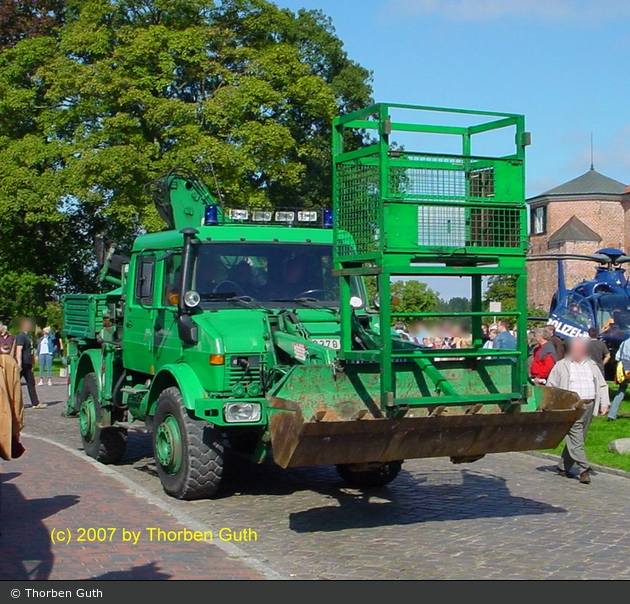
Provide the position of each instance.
(602, 432)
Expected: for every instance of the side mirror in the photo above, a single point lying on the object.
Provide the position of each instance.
(187, 329)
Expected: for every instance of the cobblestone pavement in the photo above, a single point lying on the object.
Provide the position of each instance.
(506, 516)
(51, 506)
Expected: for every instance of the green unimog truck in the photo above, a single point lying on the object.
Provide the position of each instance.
(250, 329)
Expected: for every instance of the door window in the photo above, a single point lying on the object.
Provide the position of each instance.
(172, 279)
(145, 277)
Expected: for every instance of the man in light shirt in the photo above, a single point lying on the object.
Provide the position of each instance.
(578, 373)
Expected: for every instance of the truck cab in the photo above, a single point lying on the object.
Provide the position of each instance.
(212, 299)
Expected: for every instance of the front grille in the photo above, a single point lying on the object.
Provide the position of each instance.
(237, 373)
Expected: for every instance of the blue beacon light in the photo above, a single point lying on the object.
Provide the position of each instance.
(328, 219)
(211, 216)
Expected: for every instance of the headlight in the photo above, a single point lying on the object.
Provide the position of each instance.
(242, 412)
(192, 299)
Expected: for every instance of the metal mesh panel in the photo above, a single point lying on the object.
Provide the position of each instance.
(481, 182)
(357, 209)
(465, 226)
(427, 182)
(441, 226)
(496, 227)
(440, 177)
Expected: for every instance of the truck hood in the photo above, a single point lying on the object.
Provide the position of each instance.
(234, 331)
(242, 330)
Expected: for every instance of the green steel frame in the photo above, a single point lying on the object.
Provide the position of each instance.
(406, 213)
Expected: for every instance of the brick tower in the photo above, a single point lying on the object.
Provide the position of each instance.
(580, 216)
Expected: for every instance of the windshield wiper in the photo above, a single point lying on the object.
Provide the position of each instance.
(313, 303)
(247, 302)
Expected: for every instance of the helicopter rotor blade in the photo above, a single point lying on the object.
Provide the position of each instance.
(599, 258)
(622, 260)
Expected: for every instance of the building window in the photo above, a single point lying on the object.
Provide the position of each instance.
(539, 220)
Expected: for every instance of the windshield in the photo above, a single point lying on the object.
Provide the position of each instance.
(576, 310)
(613, 312)
(269, 273)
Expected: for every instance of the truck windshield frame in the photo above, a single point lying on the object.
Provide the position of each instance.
(271, 274)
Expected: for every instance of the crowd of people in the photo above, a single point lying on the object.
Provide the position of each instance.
(577, 365)
(457, 334)
(28, 348)
(18, 355)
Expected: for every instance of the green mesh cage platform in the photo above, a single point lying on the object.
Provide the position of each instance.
(391, 198)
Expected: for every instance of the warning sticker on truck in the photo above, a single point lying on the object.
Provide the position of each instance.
(299, 352)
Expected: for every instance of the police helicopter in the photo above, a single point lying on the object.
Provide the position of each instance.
(603, 302)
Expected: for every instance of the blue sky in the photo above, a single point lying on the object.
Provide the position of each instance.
(562, 63)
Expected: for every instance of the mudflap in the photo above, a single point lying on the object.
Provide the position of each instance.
(300, 441)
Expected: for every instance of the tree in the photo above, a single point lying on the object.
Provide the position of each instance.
(413, 296)
(240, 90)
(457, 304)
(21, 19)
(502, 288)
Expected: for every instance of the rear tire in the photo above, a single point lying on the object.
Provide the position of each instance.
(376, 477)
(188, 452)
(104, 443)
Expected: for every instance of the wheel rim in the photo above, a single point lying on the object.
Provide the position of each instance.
(168, 445)
(87, 419)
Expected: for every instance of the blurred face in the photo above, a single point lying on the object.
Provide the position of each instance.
(493, 334)
(296, 270)
(578, 349)
(3, 330)
(243, 272)
(26, 325)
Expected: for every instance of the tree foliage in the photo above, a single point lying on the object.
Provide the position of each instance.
(21, 19)
(413, 296)
(240, 91)
(456, 304)
(502, 288)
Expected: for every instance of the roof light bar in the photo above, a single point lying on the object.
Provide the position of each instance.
(238, 214)
(261, 216)
(284, 216)
(316, 217)
(305, 216)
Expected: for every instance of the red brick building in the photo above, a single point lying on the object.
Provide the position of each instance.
(581, 216)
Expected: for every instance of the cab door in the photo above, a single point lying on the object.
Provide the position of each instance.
(168, 346)
(140, 316)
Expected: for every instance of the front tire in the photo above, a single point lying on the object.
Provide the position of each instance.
(104, 443)
(188, 452)
(371, 478)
